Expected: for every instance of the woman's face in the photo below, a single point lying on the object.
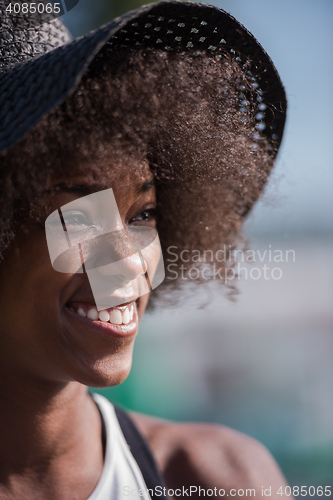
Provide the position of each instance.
(48, 320)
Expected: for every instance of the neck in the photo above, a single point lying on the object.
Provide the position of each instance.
(47, 431)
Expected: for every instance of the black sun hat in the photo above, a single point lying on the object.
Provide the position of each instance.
(41, 67)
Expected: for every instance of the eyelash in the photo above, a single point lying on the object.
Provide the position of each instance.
(151, 215)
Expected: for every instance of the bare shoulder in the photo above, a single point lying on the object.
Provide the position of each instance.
(210, 456)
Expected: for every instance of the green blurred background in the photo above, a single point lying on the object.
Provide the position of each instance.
(262, 365)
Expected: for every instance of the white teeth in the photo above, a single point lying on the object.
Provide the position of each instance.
(116, 317)
(126, 316)
(92, 313)
(103, 316)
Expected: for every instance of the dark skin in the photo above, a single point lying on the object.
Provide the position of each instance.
(50, 429)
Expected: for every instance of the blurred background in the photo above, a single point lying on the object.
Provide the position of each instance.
(262, 364)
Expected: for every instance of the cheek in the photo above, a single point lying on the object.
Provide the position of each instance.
(27, 280)
(152, 255)
(142, 303)
(29, 299)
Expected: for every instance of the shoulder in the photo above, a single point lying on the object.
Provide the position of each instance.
(209, 456)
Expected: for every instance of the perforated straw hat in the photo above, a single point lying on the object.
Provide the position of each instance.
(40, 65)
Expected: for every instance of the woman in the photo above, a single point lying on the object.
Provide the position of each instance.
(173, 116)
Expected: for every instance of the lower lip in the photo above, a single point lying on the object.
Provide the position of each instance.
(119, 331)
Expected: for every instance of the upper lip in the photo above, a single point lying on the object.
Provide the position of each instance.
(93, 304)
(81, 293)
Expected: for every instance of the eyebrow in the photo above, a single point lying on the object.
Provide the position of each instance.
(86, 189)
(146, 186)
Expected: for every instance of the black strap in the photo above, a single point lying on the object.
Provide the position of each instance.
(143, 455)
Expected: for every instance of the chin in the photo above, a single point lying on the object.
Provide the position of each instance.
(108, 371)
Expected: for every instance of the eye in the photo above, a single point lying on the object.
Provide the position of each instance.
(76, 221)
(147, 215)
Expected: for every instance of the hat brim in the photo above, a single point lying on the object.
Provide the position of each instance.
(33, 89)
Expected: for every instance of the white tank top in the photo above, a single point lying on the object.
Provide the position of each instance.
(121, 477)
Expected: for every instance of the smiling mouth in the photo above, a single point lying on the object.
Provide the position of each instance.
(120, 315)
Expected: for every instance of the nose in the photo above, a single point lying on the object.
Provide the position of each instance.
(125, 270)
(117, 256)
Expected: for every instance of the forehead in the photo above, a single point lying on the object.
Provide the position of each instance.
(115, 169)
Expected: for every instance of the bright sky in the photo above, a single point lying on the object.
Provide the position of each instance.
(298, 36)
